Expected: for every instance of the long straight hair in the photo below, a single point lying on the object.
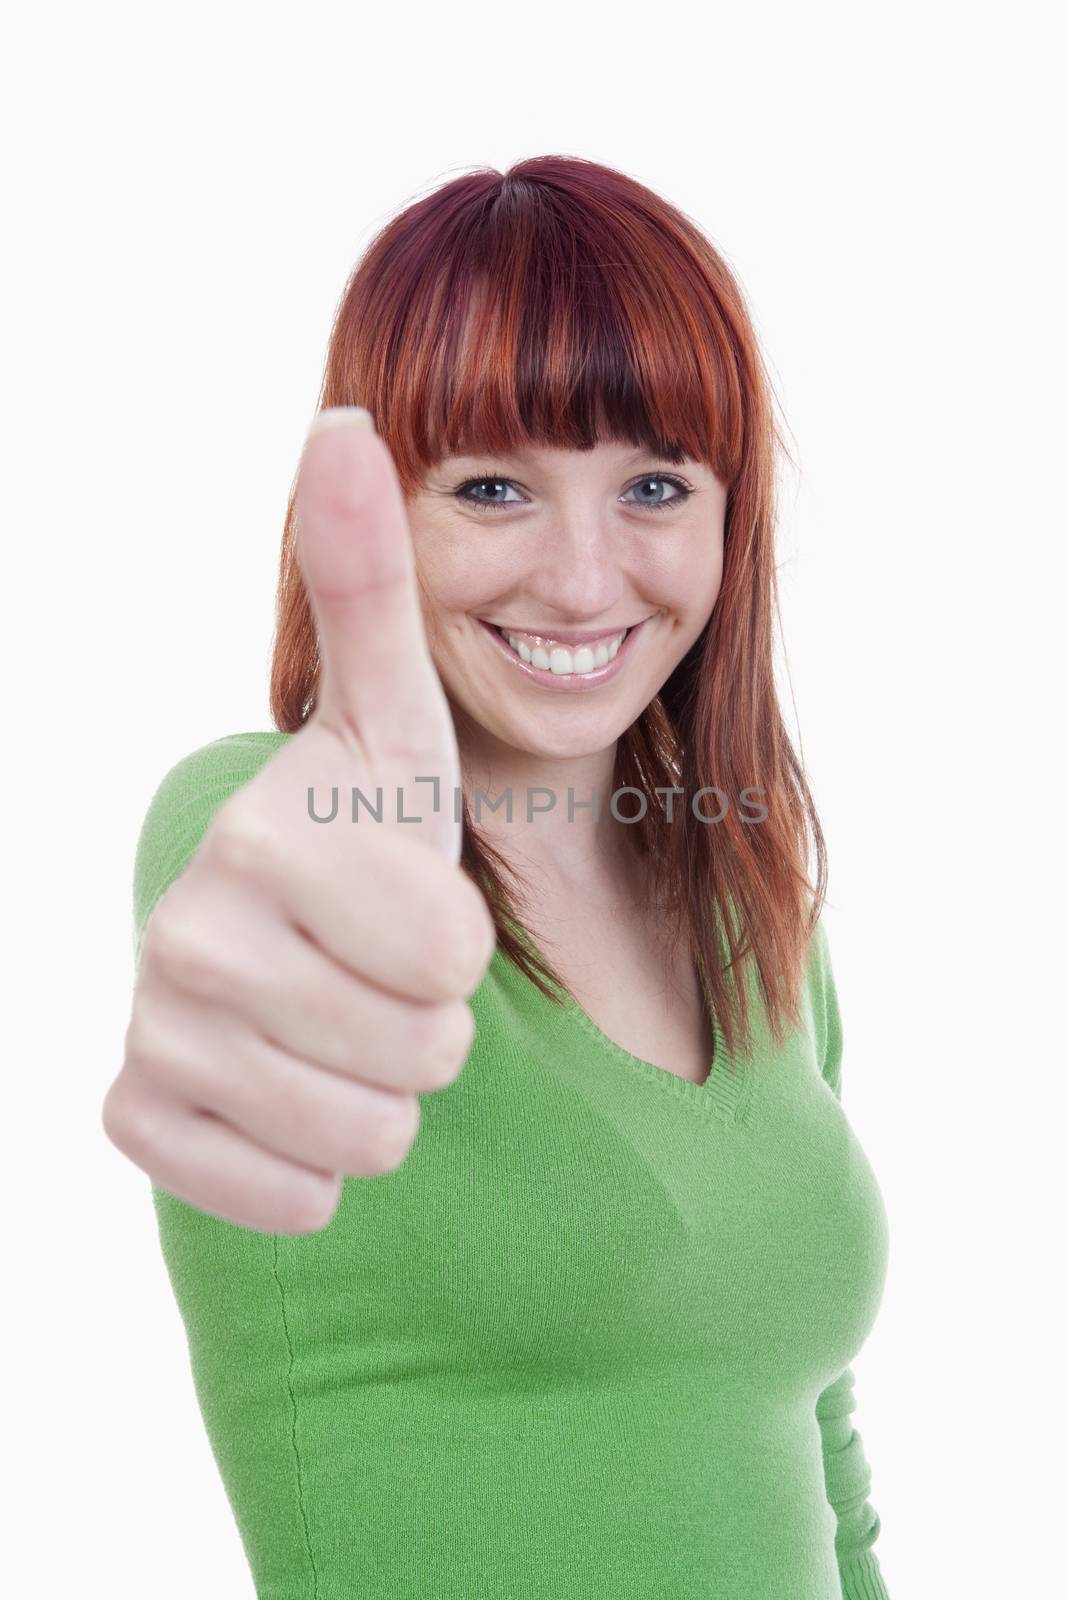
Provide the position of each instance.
(558, 304)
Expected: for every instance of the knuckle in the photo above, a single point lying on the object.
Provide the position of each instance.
(396, 1123)
(134, 1122)
(457, 939)
(173, 942)
(111, 1114)
(148, 1033)
(298, 1112)
(473, 939)
(311, 1205)
(443, 1038)
(181, 945)
(243, 842)
(140, 1031)
(169, 1053)
(363, 1131)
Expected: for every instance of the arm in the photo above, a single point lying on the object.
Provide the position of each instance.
(848, 1483)
(848, 1475)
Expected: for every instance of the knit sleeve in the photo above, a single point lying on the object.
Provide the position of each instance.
(847, 1473)
(180, 810)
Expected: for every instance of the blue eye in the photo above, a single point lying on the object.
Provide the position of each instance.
(679, 499)
(683, 489)
(462, 493)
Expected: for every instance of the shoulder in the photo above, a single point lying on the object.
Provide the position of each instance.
(229, 761)
(183, 804)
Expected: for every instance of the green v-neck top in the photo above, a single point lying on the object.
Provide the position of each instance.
(590, 1341)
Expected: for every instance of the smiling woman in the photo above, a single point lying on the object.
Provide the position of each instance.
(543, 354)
(589, 1334)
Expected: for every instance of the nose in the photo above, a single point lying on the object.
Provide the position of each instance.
(577, 577)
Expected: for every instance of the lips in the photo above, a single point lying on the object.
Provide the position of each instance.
(567, 682)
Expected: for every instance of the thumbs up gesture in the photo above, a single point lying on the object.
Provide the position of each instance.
(306, 976)
(381, 708)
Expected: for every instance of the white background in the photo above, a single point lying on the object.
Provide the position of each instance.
(186, 192)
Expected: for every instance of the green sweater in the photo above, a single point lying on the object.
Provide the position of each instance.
(590, 1341)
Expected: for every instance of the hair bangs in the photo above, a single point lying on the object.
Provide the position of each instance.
(535, 321)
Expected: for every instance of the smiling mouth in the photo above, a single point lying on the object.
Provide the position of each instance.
(586, 658)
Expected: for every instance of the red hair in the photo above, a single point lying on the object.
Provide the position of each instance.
(558, 304)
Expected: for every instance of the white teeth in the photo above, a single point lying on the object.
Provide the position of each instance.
(586, 658)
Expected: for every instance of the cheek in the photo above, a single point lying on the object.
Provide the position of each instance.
(686, 577)
(459, 578)
(449, 588)
(708, 577)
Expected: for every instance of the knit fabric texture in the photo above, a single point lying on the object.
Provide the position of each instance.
(590, 1341)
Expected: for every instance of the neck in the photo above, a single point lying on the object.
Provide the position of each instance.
(547, 814)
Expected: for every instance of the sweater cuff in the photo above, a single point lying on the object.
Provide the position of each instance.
(861, 1578)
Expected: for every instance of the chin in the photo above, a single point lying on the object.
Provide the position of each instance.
(548, 737)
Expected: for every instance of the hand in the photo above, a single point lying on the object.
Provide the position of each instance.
(302, 982)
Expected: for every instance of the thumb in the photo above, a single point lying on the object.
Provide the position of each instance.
(377, 677)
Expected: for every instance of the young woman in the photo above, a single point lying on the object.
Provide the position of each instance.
(485, 1053)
